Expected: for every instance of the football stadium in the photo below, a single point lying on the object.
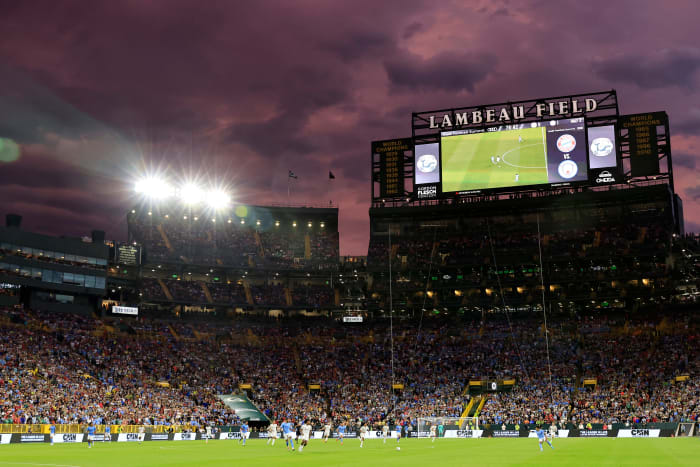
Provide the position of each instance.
(510, 279)
(480, 321)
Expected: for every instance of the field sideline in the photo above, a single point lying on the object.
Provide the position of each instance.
(444, 452)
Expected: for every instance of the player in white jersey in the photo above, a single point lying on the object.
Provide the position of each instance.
(553, 430)
(272, 432)
(433, 432)
(305, 435)
(520, 139)
(385, 432)
(208, 434)
(498, 161)
(517, 176)
(363, 434)
(326, 431)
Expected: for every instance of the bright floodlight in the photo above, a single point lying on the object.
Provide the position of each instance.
(218, 199)
(191, 194)
(153, 187)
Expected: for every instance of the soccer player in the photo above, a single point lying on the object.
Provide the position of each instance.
(326, 431)
(385, 432)
(208, 434)
(52, 432)
(272, 432)
(341, 432)
(288, 433)
(552, 431)
(91, 434)
(142, 435)
(493, 159)
(399, 427)
(305, 434)
(245, 433)
(108, 433)
(520, 139)
(433, 432)
(498, 161)
(517, 176)
(363, 434)
(542, 437)
(441, 429)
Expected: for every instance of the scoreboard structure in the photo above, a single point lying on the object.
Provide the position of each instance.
(576, 142)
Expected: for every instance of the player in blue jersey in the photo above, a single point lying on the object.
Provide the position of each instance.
(52, 432)
(341, 432)
(288, 433)
(542, 437)
(108, 434)
(91, 434)
(245, 433)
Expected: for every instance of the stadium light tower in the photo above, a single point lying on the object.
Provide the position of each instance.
(191, 194)
(153, 188)
(218, 199)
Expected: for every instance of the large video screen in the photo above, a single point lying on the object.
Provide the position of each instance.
(514, 156)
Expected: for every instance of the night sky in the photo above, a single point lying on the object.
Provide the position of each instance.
(95, 93)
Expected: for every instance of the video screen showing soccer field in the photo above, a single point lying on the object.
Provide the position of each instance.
(513, 156)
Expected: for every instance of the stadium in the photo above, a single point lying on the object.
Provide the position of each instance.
(559, 305)
(200, 266)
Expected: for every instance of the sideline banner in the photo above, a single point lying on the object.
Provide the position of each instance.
(185, 437)
(463, 433)
(130, 437)
(159, 437)
(639, 433)
(230, 435)
(68, 438)
(5, 438)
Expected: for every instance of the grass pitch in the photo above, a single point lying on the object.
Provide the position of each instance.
(444, 452)
(467, 165)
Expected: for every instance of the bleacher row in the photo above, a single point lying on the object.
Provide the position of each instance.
(238, 293)
(229, 244)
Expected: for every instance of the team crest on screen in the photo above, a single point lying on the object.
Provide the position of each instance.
(427, 163)
(601, 147)
(567, 169)
(566, 143)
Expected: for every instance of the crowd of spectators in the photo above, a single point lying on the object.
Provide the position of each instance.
(69, 369)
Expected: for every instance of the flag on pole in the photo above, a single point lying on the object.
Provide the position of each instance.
(330, 175)
(292, 175)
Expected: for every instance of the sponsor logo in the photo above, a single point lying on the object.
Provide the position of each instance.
(185, 436)
(427, 163)
(605, 177)
(426, 192)
(230, 435)
(159, 437)
(639, 433)
(593, 433)
(5, 438)
(31, 439)
(566, 143)
(567, 169)
(506, 434)
(601, 147)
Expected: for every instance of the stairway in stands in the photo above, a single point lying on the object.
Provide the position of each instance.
(166, 291)
(207, 293)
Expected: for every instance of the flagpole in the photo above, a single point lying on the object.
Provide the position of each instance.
(289, 181)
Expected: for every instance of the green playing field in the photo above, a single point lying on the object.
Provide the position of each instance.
(444, 452)
(467, 164)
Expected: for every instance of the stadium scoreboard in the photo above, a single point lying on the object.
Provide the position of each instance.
(570, 141)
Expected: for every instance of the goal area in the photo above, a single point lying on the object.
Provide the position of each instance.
(448, 427)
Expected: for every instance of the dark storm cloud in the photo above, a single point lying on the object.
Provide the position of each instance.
(447, 71)
(667, 67)
(244, 91)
